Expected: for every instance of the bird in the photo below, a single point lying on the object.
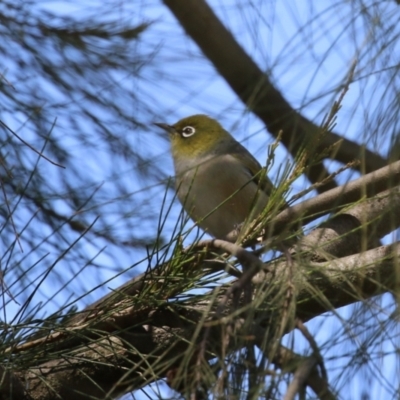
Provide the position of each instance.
(217, 180)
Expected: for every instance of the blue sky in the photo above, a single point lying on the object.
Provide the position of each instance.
(307, 49)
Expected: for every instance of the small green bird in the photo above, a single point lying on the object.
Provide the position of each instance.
(217, 179)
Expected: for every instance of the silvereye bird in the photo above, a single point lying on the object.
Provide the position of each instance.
(217, 179)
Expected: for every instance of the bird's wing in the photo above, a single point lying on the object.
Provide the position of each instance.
(253, 166)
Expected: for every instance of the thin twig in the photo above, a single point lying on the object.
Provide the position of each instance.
(10, 214)
(30, 146)
(324, 181)
(251, 265)
(317, 354)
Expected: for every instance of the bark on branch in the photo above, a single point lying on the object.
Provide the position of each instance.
(124, 341)
(130, 358)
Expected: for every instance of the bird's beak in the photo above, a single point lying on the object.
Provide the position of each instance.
(166, 127)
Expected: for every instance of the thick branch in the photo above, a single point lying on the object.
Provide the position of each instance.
(156, 335)
(330, 285)
(350, 231)
(257, 92)
(338, 237)
(166, 333)
(367, 186)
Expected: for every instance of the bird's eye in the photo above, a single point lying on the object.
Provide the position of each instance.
(188, 131)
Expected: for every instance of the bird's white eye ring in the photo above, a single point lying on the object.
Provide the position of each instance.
(188, 131)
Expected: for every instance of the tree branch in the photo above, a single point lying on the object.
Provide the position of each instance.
(366, 186)
(256, 91)
(152, 337)
(165, 334)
